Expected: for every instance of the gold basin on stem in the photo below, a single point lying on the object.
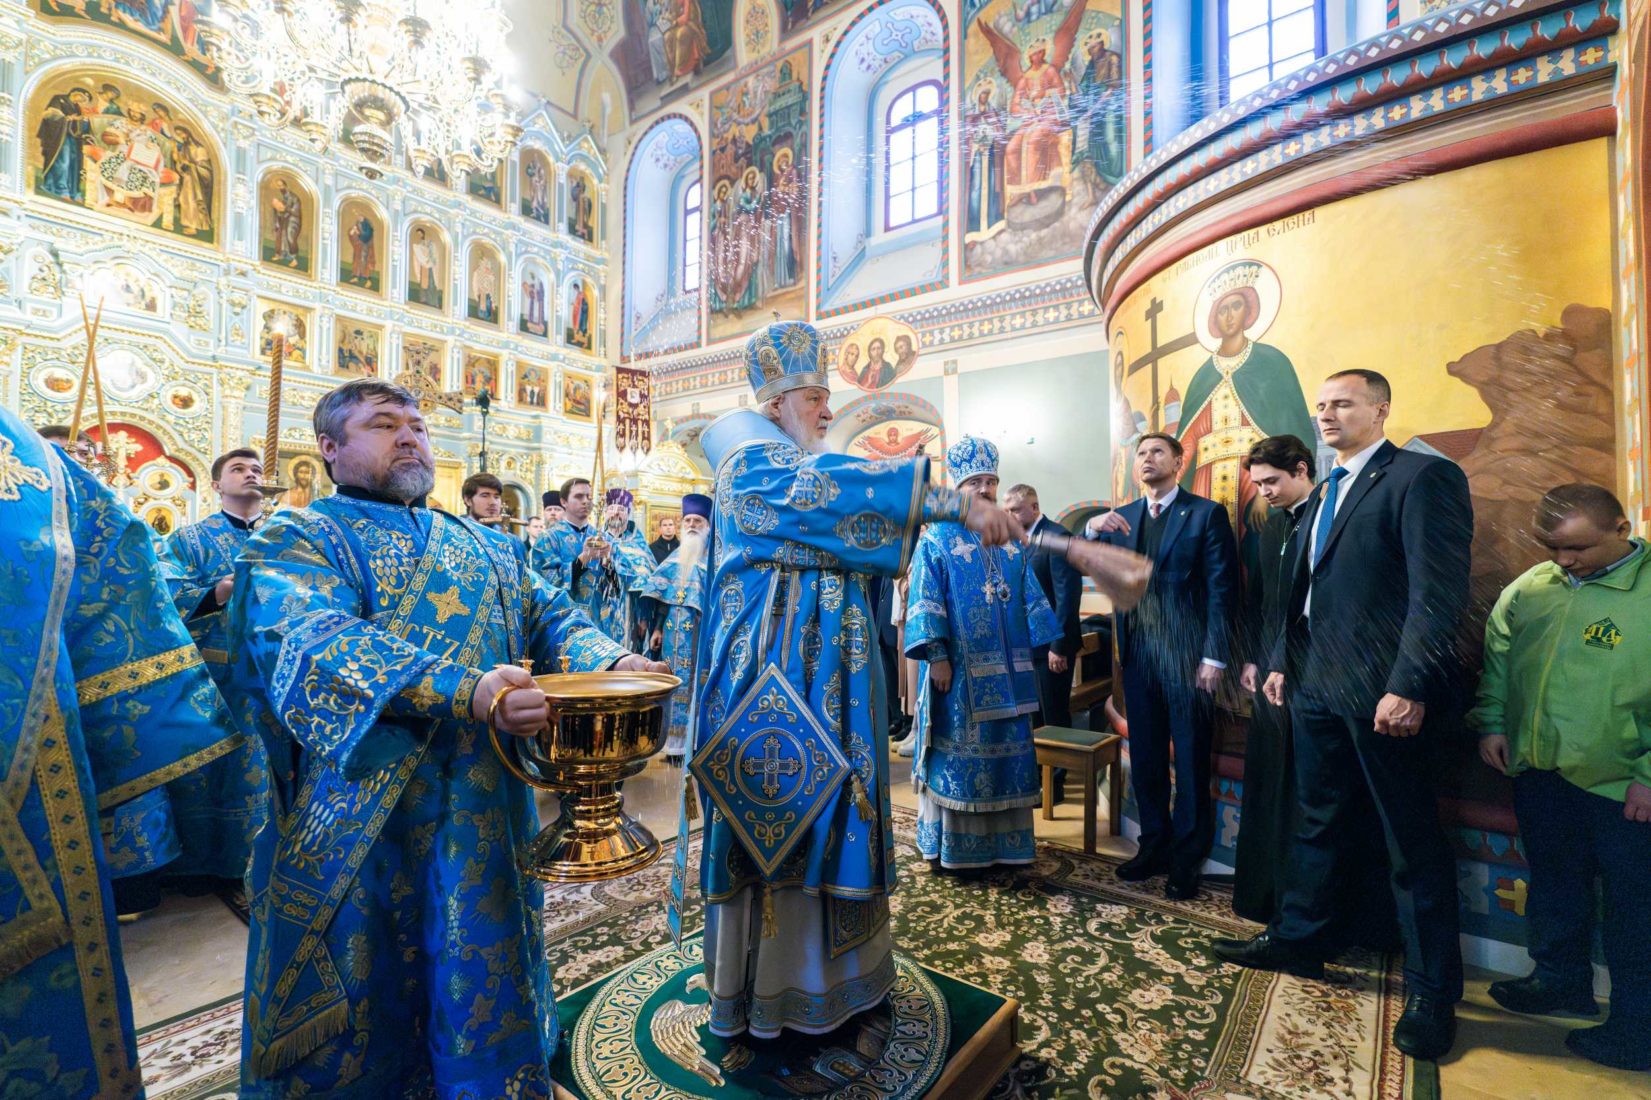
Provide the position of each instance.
(602, 727)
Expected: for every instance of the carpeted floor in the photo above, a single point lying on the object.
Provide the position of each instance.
(1120, 998)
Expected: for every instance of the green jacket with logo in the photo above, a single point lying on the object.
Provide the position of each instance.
(1568, 675)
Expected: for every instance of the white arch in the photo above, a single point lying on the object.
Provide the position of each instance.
(658, 315)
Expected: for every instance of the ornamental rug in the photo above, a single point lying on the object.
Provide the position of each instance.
(1120, 997)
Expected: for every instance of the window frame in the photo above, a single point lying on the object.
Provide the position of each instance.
(912, 123)
(1224, 43)
(691, 255)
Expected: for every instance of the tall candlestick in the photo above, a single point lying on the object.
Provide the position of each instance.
(272, 416)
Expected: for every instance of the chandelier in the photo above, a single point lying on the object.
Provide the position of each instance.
(365, 72)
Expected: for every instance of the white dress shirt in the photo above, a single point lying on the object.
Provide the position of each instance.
(1354, 467)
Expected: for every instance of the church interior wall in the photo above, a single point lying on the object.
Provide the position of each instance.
(188, 271)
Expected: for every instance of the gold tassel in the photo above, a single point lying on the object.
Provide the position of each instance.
(861, 802)
(768, 922)
(298, 1043)
(690, 794)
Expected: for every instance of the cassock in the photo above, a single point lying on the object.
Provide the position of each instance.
(221, 807)
(678, 586)
(604, 590)
(396, 949)
(974, 768)
(791, 723)
(103, 699)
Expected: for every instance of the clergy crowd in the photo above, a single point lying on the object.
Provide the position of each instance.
(294, 704)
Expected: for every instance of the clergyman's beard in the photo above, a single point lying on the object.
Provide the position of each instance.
(806, 437)
(407, 483)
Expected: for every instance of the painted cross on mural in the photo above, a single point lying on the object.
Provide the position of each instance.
(1156, 353)
(771, 766)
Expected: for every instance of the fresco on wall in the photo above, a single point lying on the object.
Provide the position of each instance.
(577, 396)
(483, 302)
(427, 268)
(581, 206)
(486, 184)
(174, 27)
(581, 314)
(294, 322)
(481, 372)
(1510, 377)
(124, 287)
(103, 142)
(537, 180)
(1045, 134)
(361, 246)
(426, 357)
(356, 346)
(286, 223)
(306, 477)
(532, 387)
(534, 315)
(758, 224)
(670, 47)
(878, 353)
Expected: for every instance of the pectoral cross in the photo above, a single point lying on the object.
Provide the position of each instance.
(771, 767)
(1155, 353)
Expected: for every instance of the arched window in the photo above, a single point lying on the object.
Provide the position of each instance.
(1262, 40)
(912, 152)
(692, 225)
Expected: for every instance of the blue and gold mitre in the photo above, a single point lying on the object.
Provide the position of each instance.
(969, 457)
(784, 356)
(771, 769)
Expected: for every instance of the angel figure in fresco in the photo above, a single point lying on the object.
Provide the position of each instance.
(896, 444)
(1037, 104)
(748, 238)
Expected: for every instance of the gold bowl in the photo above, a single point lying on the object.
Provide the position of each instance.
(601, 729)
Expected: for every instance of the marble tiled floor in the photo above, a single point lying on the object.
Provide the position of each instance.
(191, 952)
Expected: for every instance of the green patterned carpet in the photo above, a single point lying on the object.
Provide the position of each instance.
(1120, 997)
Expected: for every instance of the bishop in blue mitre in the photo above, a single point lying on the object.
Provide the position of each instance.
(790, 729)
(221, 807)
(601, 568)
(396, 948)
(972, 618)
(674, 597)
(103, 699)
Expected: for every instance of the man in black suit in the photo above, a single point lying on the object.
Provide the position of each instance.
(1063, 586)
(667, 542)
(1281, 469)
(1368, 654)
(1173, 649)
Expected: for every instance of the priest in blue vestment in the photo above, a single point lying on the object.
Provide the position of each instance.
(221, 807)
(791, 721)
(972, 618)
(396, 948)
(599, 568)
(103, 699)
(673, 597)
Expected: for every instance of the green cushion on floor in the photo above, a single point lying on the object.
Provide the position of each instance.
(1075, 738)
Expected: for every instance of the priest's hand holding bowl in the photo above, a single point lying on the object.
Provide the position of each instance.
(521, 712)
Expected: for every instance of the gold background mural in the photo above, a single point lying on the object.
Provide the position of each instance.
(1507, 369)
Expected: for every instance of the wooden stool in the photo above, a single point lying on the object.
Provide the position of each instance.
(1085, 753)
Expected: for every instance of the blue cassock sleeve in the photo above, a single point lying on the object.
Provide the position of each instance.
(182, 565)
(927, 616)
(561, 637)
(829, 511)
(148, 706)
(304, 646)
(1041, 622)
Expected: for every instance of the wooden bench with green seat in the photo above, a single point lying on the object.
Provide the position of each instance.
(1083, 753)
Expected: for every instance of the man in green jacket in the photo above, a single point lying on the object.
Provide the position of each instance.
(1565, 708)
